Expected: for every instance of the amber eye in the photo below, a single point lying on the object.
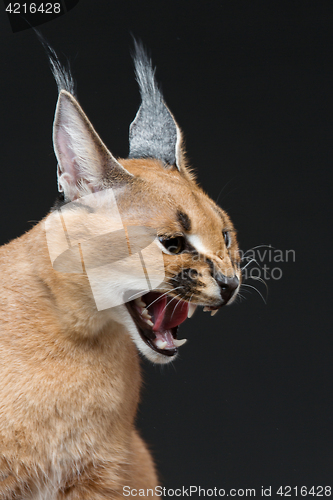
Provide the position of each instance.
(227, 239)
(173, 245)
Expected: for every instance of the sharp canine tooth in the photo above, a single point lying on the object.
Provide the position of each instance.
(150, 323)
(140, 302)
(191, 310)
(206, 309)
(178, 343)
(214, 312)
(161, 344)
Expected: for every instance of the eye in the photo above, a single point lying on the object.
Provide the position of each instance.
(227, 239)
(173, 245)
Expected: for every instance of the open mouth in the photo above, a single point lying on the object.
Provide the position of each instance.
(157, 317)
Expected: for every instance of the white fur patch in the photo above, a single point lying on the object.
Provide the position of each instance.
(196, 242)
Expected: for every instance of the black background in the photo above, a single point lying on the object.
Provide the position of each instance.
(249, 401)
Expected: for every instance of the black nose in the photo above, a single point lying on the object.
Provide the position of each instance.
(227, 286)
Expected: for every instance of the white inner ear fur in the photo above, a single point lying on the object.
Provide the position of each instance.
(82, 156)
(178, 148)
(75, 149)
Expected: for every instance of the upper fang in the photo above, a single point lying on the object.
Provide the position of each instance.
(178, 343)
(140, 302)
(191, 310)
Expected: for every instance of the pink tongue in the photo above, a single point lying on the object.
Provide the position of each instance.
(175, 314)
(166, 312)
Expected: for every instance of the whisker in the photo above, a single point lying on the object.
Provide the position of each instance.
(217, 199)
(170, 303)
(258, 246)
(254, 288)
(175, 306)
(158, 298)
(241, 297)
(262, 281)
(134, 294)
(252, 260)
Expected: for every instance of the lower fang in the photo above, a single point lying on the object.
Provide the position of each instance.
(161, 344)
(214, 312)
(178, 343)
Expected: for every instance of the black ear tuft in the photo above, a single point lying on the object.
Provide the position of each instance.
(154, 132)
(62, 75)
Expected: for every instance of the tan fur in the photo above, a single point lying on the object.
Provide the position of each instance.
(69, 374)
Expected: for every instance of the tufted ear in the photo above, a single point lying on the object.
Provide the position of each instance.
(154, 132)
(84, 162)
